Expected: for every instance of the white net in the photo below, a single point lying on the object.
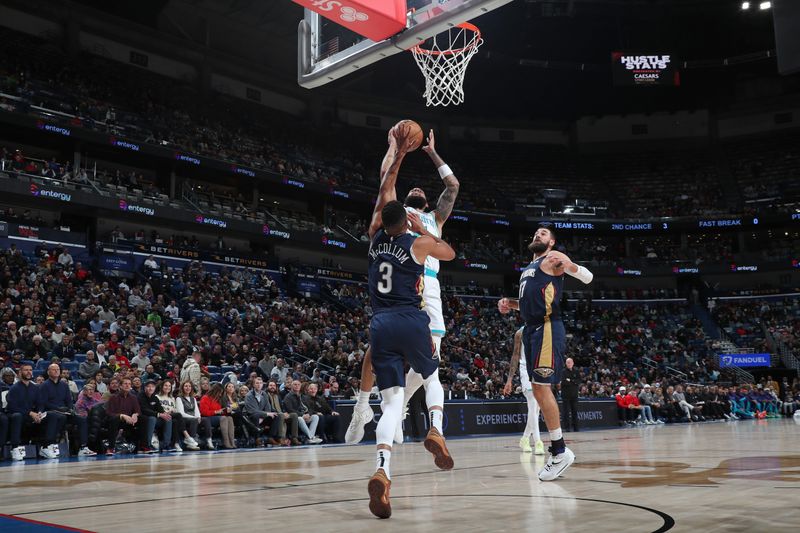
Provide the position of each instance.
(444, 60)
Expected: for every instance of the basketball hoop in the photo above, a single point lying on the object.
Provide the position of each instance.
(444, 63)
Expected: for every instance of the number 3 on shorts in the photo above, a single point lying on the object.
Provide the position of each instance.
(385, 283)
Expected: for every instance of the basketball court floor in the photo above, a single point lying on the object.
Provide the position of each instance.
(711, 477)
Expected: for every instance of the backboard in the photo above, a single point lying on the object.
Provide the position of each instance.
(327, 51)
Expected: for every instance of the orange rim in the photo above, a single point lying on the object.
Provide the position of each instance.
(464, 25)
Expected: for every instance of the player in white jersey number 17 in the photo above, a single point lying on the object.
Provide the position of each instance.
(415, 202)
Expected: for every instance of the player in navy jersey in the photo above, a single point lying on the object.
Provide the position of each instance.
(399, 334)
(416, 203)
(543, 338)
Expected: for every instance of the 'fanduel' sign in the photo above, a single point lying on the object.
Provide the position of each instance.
(744, 360)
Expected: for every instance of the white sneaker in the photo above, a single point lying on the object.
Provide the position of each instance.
(18, 453)
(210, 444)
(538, 448)
(86, 452)
(556, 465)
(314, 440)
(178, 448)
(525, 444)
(154, 443)
(361, 417)
(56, 450)
(191, 444)
(659, 421)
(48, 453)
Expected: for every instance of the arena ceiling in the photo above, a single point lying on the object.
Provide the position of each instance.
(543, 58)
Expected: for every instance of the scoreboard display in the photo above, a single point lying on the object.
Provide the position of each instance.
(638, 69)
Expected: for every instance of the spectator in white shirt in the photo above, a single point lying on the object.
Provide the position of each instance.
(64, 259)
(141, 360)
(147, 330)
(151, 263)
(172, 310)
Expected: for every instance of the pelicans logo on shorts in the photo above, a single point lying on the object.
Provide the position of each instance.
(544, 371)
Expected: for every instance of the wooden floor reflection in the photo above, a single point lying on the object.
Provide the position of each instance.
(716, 477)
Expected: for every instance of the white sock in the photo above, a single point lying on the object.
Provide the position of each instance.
(384, 433)
(384, 457)
(434, 397)
(555, 434)
(363, 399)
(532, 427)
(436, 419)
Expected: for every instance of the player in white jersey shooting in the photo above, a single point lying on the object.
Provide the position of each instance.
(415, 202)
(531, 433)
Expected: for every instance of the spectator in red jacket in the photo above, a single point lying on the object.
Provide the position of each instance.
(624, 401)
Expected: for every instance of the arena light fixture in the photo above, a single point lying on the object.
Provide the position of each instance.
(764, 5)
(745, 6)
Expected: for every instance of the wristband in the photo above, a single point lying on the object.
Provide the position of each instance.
(582, 274)
(444, 171)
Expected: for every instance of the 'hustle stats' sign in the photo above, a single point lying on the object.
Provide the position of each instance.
(644, 69)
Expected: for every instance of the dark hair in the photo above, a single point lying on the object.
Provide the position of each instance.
(549, 227)
(393, 215)
(216, 392)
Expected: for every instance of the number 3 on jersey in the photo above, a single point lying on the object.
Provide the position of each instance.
(385, 283)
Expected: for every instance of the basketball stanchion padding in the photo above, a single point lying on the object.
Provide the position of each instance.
(443, 60)
(374, 19)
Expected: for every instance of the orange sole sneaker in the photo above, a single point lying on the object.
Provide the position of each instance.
(378, 489)
(434, 443)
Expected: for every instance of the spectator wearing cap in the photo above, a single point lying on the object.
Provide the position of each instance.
(253, 366)
(123, 412)
(624, 411)
(17, 357)
(154, 420)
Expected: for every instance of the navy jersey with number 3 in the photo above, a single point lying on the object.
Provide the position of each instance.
(395, 277)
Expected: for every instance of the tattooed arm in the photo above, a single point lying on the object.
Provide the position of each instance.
(512, 369)
(444, 207)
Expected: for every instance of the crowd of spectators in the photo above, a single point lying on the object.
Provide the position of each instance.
(172, 361)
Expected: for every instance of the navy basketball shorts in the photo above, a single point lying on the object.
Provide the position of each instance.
(545, 347)
(399, 336)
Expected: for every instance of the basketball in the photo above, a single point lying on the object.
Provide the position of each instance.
(415, 133)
